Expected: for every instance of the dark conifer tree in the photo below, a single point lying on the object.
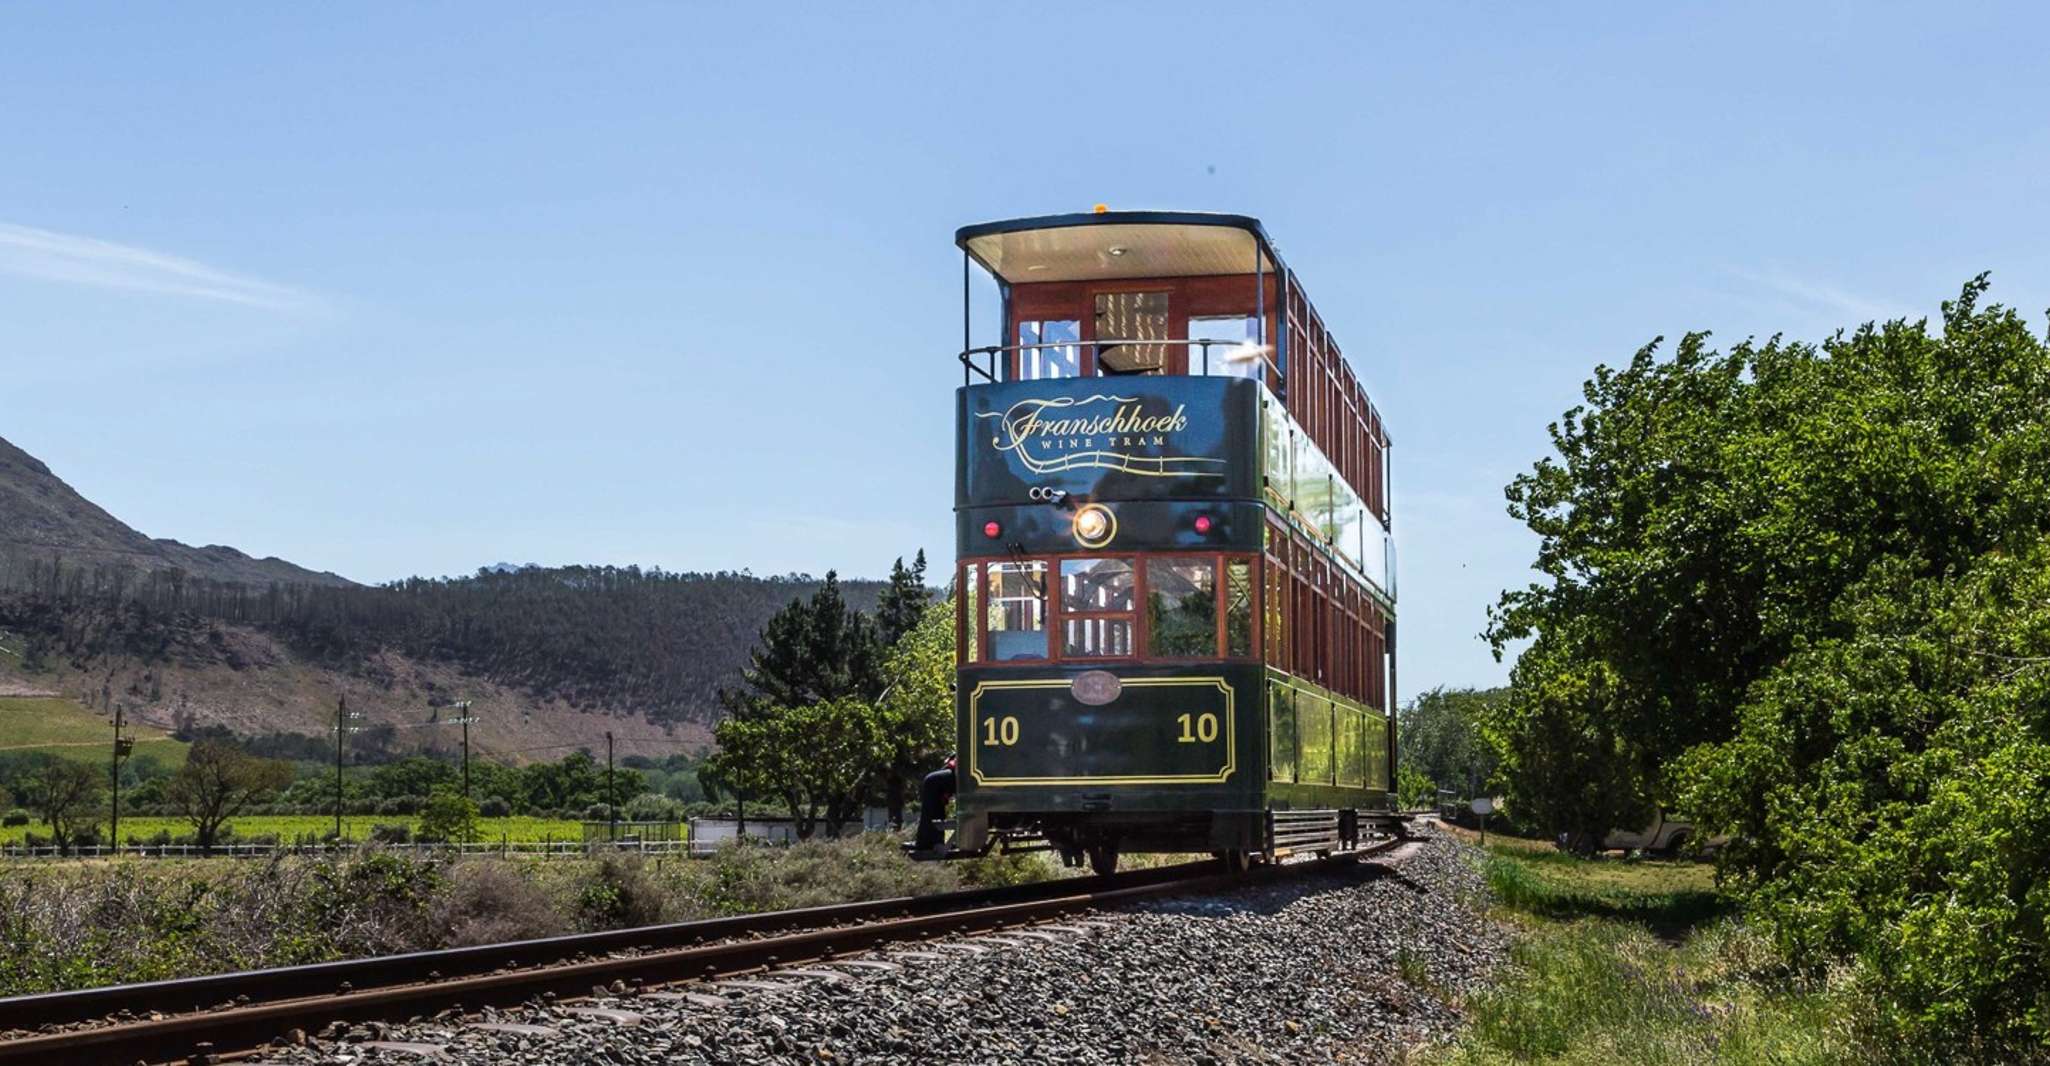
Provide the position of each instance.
(903, 600)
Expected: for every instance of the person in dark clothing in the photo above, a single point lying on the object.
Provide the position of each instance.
(933, 793)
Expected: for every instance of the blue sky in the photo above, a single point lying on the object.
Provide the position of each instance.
(409, 289)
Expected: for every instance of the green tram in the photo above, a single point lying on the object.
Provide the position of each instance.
(1175, 576)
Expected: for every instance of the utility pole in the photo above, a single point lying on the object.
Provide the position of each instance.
(466, 718)
(122, 746)
(611, 792)
(342, 729)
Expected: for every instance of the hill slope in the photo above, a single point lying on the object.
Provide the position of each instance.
(41, 515)
(556, 657)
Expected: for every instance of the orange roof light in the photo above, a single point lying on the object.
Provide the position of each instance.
(1102, 209)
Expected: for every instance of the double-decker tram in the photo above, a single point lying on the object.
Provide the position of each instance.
(1175, 577)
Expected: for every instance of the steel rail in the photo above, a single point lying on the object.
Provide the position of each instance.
(415, 994)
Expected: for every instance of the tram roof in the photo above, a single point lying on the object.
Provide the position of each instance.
(1100, 245)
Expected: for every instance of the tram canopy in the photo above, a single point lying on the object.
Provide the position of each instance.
(1118, 244)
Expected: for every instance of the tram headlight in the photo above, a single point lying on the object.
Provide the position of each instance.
(1095, 526)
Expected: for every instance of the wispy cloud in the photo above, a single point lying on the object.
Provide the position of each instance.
(64, 257)
(1824, 298)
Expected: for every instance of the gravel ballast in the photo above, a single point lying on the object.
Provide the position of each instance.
(1354, 966)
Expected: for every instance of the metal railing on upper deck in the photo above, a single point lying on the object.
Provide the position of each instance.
(995, 358)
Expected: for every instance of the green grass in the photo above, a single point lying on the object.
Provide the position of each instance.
(1640, 962)
(288, 827)
(69, 730)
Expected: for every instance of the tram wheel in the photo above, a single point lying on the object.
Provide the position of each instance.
(1103, 858)
(1235, 860)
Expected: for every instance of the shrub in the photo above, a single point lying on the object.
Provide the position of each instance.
(619, 894)
(490, 901)
(648, 807)
(400, 805)
(17, 816)
(598, 812)
(449, 815)
(391, 834)
(495, 807)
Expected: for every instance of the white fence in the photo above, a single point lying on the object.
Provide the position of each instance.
(704, 837)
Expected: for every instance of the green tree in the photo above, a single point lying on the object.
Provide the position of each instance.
(1795, 590)
(1440, 737)
(812, 651)
(820, 759)
(449, 815)
(66, 795)
(574, 782)
(903, 601)
(218, 782)
(918, 707)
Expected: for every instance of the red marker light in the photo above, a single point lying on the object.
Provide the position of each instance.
(991, 530)
(1202, 523)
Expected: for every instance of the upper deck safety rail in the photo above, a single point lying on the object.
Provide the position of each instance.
(995, 357)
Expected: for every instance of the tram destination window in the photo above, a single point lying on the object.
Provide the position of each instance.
(1049, 349)
(1017, 611)
(1236, 354)
(1097, 601)
(1181, 608)
(1130, 317)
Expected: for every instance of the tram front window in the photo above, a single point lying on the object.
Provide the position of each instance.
(1097, 601)
(1049, 349)
(1017, 611)
(1181, 608)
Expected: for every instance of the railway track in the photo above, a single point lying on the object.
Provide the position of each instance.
(200, 1019)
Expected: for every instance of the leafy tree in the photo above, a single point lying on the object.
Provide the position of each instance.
(417, 775)
(1797, 591)
(821, 759)
(918, 707)
(1440, 737)
(67, 795)
(573, 782)
(448, 815)
(218, 782)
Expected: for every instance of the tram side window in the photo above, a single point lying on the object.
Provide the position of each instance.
(1049, 348)
(1181, 608)
(1017, 611)
(1237, 357)
(1097, 601)
(1238, 608)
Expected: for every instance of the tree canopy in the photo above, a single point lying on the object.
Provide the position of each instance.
(1797, 592)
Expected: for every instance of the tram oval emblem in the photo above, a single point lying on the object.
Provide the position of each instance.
(1096, 687)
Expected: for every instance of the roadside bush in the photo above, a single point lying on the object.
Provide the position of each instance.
(391, 834)
(400, 805)
(649, 807)
(490, 901)
(596, 812)
(17, 816)
(618, 893)
(495, 807)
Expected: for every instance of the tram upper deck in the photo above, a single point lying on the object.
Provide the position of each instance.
(1161, 356)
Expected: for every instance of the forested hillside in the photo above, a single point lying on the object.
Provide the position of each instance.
(651, 643)
(93, 609)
